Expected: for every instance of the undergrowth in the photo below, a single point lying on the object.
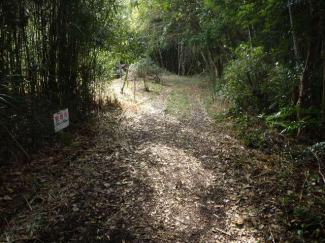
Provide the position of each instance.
(299, 173)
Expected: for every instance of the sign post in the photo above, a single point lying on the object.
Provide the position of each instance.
(61, 120)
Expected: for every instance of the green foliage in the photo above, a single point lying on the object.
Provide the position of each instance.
(319, 149)
(245, 80)
(286, 120)
(254, 85)
(251, 50)
(253, 132)
(281, 80)
(305, 218)
(310, 224)
(303, 209)
(147, 67)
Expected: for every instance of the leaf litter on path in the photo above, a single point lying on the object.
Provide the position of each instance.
(164, 178)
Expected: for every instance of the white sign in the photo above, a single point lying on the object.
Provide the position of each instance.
(61, 120)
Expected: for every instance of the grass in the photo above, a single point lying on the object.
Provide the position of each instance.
(178, 102)
(207, 102)
(212, 103)
(155, 89)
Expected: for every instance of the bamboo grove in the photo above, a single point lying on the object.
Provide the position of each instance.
(48, 60)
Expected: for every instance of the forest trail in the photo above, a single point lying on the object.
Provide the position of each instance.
(159, 170)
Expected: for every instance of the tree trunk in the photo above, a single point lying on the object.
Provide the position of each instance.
(323, 96)
(161, 59)
(211, 67)
(294, 35)
(179, 58)
(304, 83)
(53, 31)
(183, 61)
(205, 60)
(217, 65)
(295, 89)
(305, 78)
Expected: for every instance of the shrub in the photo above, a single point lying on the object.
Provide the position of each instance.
(256, 84)
(146, 66)
(245, 79)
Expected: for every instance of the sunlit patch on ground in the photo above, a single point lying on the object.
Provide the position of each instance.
(150, 175)
(133, 97)
(178, 157)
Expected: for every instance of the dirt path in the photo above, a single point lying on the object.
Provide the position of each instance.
(175, 185)
(159, 171)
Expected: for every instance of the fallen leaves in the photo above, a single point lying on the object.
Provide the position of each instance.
(150, 176)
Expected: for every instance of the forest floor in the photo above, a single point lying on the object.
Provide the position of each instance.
(154, 169)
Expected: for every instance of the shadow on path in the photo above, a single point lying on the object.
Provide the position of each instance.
(164, 179)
